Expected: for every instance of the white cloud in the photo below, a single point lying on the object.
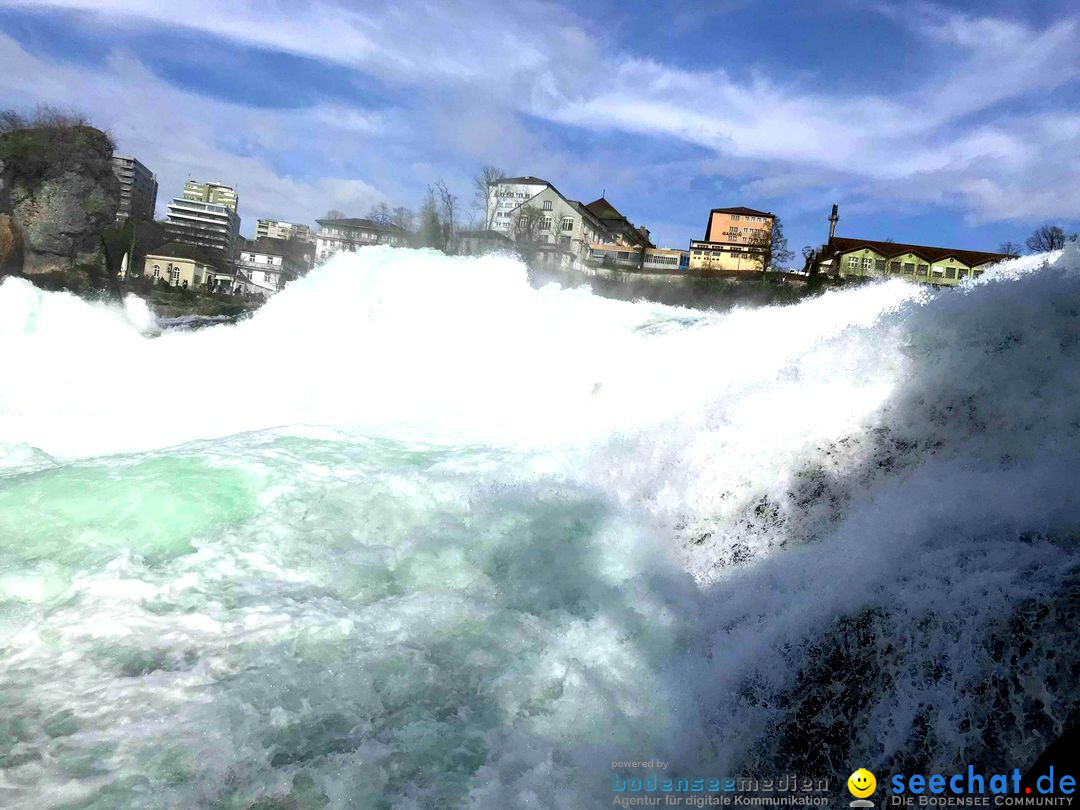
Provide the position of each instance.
(179, 134)
(969, 129)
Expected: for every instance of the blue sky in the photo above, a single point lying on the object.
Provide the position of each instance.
(954, 124)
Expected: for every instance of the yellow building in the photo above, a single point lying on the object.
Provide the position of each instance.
(178, 271)
(216, 193)
(862, 258)
(733, 240)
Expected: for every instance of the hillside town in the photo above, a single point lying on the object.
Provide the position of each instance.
(524, 215)
(198, 248)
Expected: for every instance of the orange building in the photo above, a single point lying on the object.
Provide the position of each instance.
(733, 237)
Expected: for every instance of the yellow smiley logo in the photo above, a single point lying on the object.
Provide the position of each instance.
(861, 783)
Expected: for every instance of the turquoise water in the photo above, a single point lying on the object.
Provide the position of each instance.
(436, 539)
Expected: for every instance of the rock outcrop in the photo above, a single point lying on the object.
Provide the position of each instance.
(11, 246)
(59, 193)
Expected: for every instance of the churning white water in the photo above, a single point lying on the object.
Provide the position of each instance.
(418, 535)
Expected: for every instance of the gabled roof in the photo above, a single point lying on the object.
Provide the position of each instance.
(841, 244)
(360, 222)
(584, 210)
(742, 210)
(612, 218)
(527, 180)
(605, 210)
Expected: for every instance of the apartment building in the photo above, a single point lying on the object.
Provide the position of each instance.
(505, 196)
(216, 193)
(138, 189)
(354, 232)
(733, 239)
(276, 229)
(205, 224)
(264, 266)
(559, 230)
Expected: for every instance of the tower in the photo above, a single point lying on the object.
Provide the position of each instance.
(834, 217)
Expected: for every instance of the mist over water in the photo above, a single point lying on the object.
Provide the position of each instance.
(418, 535)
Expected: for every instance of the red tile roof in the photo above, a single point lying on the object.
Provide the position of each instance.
(841, 244)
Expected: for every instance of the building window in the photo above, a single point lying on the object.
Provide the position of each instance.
(977, 273)
(174, 276)
(734, 216)
(853, 262)
(157, 271)
(564, 241)
(523, 221)
(963, 272)
(950, 272)
(879, 265)
(894, 267)
(909, 268)
(568, 223)
(545, 223)
(547, 205)
(923, 268)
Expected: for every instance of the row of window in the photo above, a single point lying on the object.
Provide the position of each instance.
(749, 219)
(173, 273)
(359, 236)
(545, 223)
(652, 258)
(626, 255)
(868, 264)
(718, 250)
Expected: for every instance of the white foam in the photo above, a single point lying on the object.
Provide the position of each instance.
(427, 532)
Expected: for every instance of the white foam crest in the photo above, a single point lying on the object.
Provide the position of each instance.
(408, 341)
(620, 530)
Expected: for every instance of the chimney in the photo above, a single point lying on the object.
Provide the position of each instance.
(644, 232)
(834, 217)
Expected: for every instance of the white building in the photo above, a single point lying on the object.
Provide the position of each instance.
(531, 210)
(206, 224)
(507, 194)
(262, 269)
(352, 233)
(276, 229)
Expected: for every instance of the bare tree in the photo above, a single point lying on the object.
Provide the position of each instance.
(1047, 237)
(381, 214)
(1010, 249)
(447, 202)
(431, 232)
(769, 248)
(333, 213)
(402, 217)
(485, 212)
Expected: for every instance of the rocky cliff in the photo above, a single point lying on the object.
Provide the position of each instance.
(59, 194)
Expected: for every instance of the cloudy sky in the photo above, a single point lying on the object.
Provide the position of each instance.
(941, 123)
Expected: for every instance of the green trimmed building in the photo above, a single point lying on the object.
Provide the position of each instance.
(864, 258)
